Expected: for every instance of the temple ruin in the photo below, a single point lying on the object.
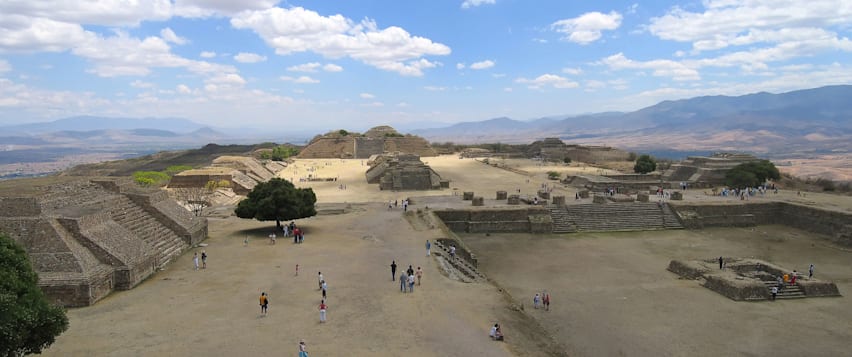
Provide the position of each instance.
(400, 171)
(709, 170)
(554, 149)
(89, 236)
(348, 145)
(240, 172)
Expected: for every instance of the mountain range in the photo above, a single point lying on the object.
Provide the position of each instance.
(811, 120)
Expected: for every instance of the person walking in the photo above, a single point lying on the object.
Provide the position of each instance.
(319, 282)
(393, 270)
(410, 271)
(322, 308)
(429, 249)
(411, 283)
(264, 303)
(303, 349)
(452, 252)
(774, 292)
(203, 260)
(536, 301)
(324, 287)
(810, 272)
(195, 260)
(419, 274)
(546, 300)
(403, 279)
(721, 260)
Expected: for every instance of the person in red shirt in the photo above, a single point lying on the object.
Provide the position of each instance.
(322, 308)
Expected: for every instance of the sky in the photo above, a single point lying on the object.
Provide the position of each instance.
(325, 65)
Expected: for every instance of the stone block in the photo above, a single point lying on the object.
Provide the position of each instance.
(478, 201)
(642, 197)
(677, 196)
(467, 196)
(599, 199)
(559, 200)
(544, 194)
(514, 200)
(445, 183)
(502, 195)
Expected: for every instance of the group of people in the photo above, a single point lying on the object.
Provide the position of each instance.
(291, 229)
(395, 203)
(542, 300)
(408, 278)
(203, 260)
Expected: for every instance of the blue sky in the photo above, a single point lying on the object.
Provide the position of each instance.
(323, 65)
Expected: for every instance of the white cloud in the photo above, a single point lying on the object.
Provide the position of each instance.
(660, 68)
(540, 40)
(367, 96)
(27, 34)
(548, 79)
(466, 4)
(232, 79)
(482, 64)
(331, 67)
(435, 88)
(460, 65)
(206, 8)
(296, 30)
(207, 54)
(301, 79)
(632, 9)
(305, 67)
(246, 57)
(572, 71)
(373, 104)
(170, 36)
(140, 84)
(5, 66)
(183, 89)
(587, 28)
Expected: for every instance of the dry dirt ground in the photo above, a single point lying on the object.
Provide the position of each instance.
(611, 292)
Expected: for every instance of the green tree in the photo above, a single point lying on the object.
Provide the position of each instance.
(281, 153)
(645, 164)
(553, 175)
(751, 174)
(28, 323)
(150, 178)
(277, 200)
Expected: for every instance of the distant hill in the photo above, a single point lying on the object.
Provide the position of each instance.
(90, 123)
(811, 120)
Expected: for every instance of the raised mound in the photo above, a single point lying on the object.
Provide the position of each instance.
(381, 139)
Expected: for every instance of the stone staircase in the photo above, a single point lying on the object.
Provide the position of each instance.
(167, 244)
(789, 291)
(613, 217)
(468, 272)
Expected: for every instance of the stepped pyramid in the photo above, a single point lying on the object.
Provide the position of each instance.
(347, 145)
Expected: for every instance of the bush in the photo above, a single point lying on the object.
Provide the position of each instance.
(752, 174)
(175, 169)
(645, 164)
(567, 160)
(151, 178)
(553, 175)
(281, 153)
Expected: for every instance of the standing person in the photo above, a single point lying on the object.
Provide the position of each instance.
(774, 292)
(195, 260)
(793, 278)
(319, 282)
(410, 271)
(264, 303)
(403, 279)
(296, 233)
(322, 308)
(303, 349)
(405, 205)
(411, 283)
(810, 272)
(301, 235)
(245, 242)
(419, 275)
(536, 301)
(721, 260)
(324, 288)
(272, 238)
(393, 270)
(203, 260)
(452, 252)
(390, 205)
(546, 300)
(429, 249)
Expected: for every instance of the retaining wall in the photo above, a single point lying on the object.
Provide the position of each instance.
(514, 220)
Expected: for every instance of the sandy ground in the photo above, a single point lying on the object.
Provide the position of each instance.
(612, 295)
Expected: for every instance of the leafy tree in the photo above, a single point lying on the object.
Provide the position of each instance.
(566, 160)
(645, 164)
(281, 153)
(553, 175)
(28, 323)
(631, 156)
(277, 200)
(343, 132)
(751, 174)
(150, 178)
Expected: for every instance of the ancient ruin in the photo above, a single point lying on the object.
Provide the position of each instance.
(403, 172)
(381, 139)
(87, 237)
(554, 149)
(241, 173)
(750, 279)
(707, 170)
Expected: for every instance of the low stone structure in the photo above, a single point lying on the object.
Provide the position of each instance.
(467, 195)
(477, 201)
(559, 200)
(502, 195)
(707, 170)
(403, 172)
(376, 141)
(240, 172)
(88, 237)
(554, 149)
(749, 279)
(531, 219)
(514, 200)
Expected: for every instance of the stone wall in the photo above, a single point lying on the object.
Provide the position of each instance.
(836, 225)
(487, 220)
(365, 147)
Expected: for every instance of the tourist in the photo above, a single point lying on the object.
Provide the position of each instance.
(411, 283)
(410, 271)
(536, 301)
(780, 282)
(429, 249)
(452, 252)
(322, 308)
(402, 280)
(245, 242)
(721, 261)
(546, 301)
(405, 205)
(319, 282)
(419, 274)
(810, 272)
(390, 205)
(324, 287)
(495, 333)
(264, 303)
(272, 238)
(774, 292)
(793, 277)
(286, 229)
(303, 349)
(786, 278)
(393, 270)
(203, 259)
(301, 236)
(195, 260)
(296, 233)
